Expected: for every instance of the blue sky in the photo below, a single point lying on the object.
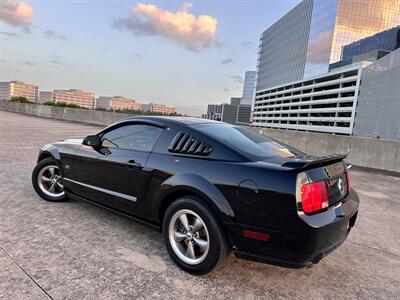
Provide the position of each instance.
(73, 44)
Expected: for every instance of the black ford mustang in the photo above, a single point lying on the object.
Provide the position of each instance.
(210, 187)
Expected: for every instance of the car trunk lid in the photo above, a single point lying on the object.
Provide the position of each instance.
(329, 169)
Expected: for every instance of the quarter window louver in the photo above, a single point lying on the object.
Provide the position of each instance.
(188, 144)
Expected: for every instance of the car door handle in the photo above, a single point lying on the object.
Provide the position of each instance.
(133, 165)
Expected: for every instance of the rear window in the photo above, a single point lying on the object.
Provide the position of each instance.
(246, 141)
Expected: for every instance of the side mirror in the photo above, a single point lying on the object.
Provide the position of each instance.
(92, 140)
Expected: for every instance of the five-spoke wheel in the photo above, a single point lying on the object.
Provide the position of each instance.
(47, 180)
(189, 236)
(193, 236)
(50, 181)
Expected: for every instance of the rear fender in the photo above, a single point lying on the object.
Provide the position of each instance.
(196, 185)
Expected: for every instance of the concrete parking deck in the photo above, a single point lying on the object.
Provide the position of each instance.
(75, 250)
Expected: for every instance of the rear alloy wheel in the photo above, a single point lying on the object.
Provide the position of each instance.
(193, 236)
(188, 236)
(47, 180)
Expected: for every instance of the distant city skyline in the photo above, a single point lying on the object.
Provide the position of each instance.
(137, 50)
(33, 93)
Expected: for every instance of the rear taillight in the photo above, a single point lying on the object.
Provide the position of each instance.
(348, 181)
(314, 196)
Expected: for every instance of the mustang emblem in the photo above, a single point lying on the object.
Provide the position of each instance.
(340, 185)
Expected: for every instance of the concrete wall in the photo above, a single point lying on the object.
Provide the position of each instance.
(62, 113)
(365, 152)
(378, 109)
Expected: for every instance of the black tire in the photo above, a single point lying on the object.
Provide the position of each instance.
(218, 247)
(35, 182)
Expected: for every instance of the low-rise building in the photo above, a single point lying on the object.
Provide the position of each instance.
(360, 99)
(158, 108)
(74, 96)
(117, 103)
(233, 112)
(191, 110)
(12, 89)
(236, 114)
(45, 96)
(214, 112)
(5, 91)
(324, 103)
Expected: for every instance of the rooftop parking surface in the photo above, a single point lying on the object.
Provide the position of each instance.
(75, 250)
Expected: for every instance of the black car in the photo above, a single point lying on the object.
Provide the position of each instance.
(210, 187)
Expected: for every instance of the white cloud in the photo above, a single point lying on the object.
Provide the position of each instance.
(28, 62)
(15, 12)
(50, 34)
(247, 44)
(9, 34)
(227, 61)
(237, 78)
(190, 31)
(138, 55)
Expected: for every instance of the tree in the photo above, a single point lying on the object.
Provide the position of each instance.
(20, 99)
(62, 104)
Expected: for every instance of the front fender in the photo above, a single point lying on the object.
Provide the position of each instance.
(197, 185)
(49, 150)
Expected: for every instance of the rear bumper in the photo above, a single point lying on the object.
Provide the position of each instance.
(304, 241)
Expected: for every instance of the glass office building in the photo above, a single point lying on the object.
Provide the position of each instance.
(320, 38)
(311, 36)
(388, 40)
(350, 68)
(249, 87)
(336, 23)
(283, 48)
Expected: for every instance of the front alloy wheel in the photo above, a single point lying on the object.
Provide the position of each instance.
(50, 181)
(47, 180)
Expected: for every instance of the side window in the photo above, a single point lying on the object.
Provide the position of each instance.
(134, 137)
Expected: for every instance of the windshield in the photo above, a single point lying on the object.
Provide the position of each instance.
(246, 141)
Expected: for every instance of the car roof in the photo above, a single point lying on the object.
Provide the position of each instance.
(164, 119)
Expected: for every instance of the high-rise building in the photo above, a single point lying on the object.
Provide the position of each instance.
(336, 23)
(387, 41)
(283, 48)
(74, 96)
(249, 87)
(349, 44)
(18, 89)
(117, 103)
(310, 37)
(45, 96)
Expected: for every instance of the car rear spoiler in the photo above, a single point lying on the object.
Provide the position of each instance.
(315, 162)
